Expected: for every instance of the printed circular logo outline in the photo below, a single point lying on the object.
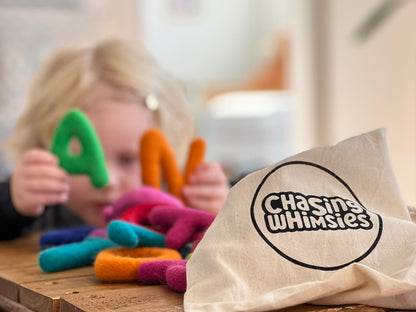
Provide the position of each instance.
(281, 253)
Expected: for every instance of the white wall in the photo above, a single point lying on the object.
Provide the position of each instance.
(212, 40)
(374, 83)
(364, 85)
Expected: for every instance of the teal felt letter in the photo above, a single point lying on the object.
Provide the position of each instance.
(91, 159)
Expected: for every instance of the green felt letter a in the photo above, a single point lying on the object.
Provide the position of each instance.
(91, 160)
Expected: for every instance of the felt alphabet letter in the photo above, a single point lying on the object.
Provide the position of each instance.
(73, 255)
(91, 160)
(131, 235)
(156, 157)
(170, 272)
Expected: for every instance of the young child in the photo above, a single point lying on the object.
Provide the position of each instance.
(116, 84)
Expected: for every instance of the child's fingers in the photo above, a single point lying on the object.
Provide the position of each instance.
(45, 171)
(47, 198)
(39, 156)
(47, 185)
(30, 195)
(31, 204)
(205, 197)
(210, 173)
(204, 191)
(36, 182)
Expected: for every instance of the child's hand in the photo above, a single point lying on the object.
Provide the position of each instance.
(38, 181)
(207, 187)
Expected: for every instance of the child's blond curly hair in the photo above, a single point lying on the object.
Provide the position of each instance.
(70, 75)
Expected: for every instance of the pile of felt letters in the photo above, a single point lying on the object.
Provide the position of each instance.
(150, 233)
(148, 238)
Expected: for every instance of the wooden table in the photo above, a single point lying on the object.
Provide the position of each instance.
(24, 287)
(23, 284)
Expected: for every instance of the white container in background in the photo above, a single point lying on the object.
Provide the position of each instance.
(247, 130)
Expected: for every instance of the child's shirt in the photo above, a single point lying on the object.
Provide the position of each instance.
(13, 224)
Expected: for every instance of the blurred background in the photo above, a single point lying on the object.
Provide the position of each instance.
(265, 78)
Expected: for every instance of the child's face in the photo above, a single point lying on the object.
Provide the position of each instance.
(119, 124)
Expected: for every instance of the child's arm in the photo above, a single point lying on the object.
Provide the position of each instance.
(207, 187)
(36, 182)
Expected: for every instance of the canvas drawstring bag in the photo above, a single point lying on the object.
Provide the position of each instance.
(327, 226)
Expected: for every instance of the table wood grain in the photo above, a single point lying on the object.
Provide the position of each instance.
(25, 287)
